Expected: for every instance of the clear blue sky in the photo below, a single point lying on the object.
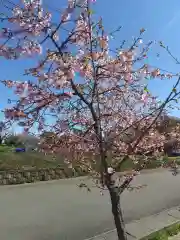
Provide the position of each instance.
(160, 18)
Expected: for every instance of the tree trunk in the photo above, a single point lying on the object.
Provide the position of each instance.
(117, 213)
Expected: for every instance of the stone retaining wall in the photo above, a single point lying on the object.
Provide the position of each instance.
(34, 175)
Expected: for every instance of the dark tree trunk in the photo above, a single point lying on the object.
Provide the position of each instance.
(117, 213)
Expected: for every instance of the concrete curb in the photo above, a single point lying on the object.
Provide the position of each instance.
(144, 226)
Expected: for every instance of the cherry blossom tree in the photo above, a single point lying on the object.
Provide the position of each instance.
(92, 98)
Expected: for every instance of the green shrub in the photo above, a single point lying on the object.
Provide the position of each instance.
(164, 233)
(157, 236)
(174, 230)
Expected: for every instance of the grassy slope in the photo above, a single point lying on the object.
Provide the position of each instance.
(13, 160)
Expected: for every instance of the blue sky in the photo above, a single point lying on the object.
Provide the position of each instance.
(160, 19)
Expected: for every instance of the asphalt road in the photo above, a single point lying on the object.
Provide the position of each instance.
(61, 211)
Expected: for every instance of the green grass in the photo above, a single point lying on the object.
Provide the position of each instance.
(4, 148)
(164, 233)
(12, 160)
(151, 163)
(174, 158)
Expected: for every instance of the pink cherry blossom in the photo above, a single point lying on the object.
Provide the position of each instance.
(144, 97)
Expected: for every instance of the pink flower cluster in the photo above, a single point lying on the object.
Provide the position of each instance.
(27, 49)
(31, 18)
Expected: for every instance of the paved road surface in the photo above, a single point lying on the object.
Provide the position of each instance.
(61, 211)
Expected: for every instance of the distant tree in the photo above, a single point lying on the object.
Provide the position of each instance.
(29, 141)
(3, 132)
(46, 134)
(13, 140)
